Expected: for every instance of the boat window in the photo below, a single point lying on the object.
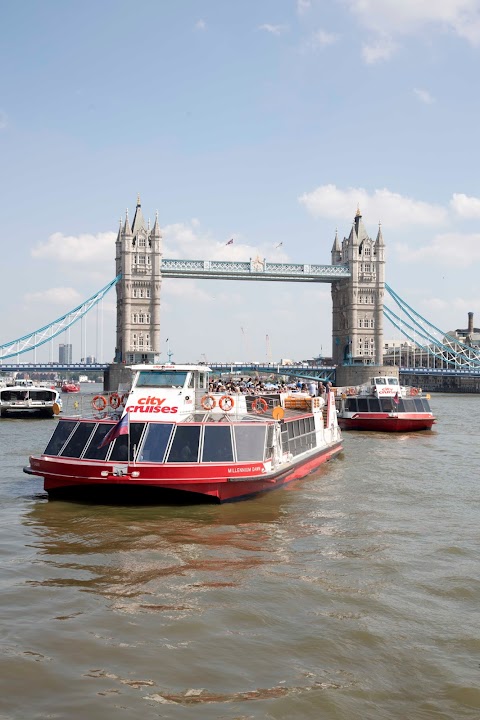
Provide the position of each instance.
(42, 395)
(217, 444)
(380, 381)
(156, 441)
(362, 404)
(426, 404)
(409, 405)
(392, 381)
(202, 381)
(93, 451)
(269, 445)
(185, 444)
(78, 440)
(387, 404)
(161, 378)
(284, 438)
(374, 404)
(418, 404)
(191, 380)
(60, 436)
(120, 449)
(351, 404)
(250, 442)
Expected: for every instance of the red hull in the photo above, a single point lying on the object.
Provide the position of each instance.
(379, 422)
(62, 475)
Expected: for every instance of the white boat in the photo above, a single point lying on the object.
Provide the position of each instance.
(27, 400)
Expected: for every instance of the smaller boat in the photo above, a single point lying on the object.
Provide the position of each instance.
(70, 387)
(383, 405)
(28, 400)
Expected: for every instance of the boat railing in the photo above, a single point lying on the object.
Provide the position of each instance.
(98, 406)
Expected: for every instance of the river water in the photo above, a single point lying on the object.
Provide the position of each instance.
(352, 594)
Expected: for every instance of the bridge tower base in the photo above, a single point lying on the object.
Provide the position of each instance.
(350, 375)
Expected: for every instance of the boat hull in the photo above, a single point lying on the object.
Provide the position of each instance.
(379, 422)
(223, 483)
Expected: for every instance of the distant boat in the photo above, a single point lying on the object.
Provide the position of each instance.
(70, 387)
(28, 400)
(383, 405)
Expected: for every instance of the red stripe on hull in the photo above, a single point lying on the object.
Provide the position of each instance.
(62, 474)
(385, 423)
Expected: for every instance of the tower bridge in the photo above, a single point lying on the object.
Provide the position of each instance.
(356, 275)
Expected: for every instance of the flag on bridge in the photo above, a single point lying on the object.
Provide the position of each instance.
(279, 245)
(230, 242)
(121, 428)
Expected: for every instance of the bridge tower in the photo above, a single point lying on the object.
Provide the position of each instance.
(138, 259)
(357, 302)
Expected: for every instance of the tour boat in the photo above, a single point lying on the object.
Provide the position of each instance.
(170, 433)
(70, 387)
(27, 400)
(384, 405)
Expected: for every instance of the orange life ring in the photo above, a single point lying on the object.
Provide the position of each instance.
(260, 406)
(115, 400)
(208, 402)
(99, 403)
(413, 391)
(226, 403)
(351, 391)
(124, 398)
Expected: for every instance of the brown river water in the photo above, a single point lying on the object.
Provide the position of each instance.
(352, 594)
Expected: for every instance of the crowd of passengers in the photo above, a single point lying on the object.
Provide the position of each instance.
(252, 386)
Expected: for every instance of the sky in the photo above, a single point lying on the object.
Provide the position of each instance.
(265, 121)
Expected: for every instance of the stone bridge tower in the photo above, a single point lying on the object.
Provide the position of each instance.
(138, 259)
(357, 304)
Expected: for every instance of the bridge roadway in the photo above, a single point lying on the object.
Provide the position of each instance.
(301, 370)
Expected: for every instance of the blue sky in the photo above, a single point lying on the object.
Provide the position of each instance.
(263, 120)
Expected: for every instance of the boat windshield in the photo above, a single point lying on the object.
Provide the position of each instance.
(161, 378)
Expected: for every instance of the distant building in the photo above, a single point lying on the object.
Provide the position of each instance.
(90, 360)
(468, 336)
(65, 354)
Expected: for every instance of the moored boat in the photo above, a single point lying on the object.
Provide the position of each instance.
(383, 405)
(169, 433)
(29, 400)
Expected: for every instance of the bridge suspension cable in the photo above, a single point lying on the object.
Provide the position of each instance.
(45, 334)
(447, 348)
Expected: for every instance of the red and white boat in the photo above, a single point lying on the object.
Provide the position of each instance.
(383, 405)
(169, 433)
(70, 387)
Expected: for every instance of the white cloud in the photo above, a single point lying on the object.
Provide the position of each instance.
(465, 206)
(450, 249)
(75, 250)
(321, 38)
(382, 48)
(424, 96)
(273, 29)
(303, 6)
(200, 25)
(403, 17)
(392, 209)
(64, 296)
(3, 120)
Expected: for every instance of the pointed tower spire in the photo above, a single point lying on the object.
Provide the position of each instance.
(126, 228)
(156, 227)
(379, 240)
(336, 243)
(138, 221)
(119, 230)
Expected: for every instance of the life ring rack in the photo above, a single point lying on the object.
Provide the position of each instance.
(226, 403)
(99, 403)
(208, 402)
(351, 391)
(260, 406)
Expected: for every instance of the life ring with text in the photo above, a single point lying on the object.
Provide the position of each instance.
(260, 406)
(99, 403)
(208, 402)
(226, 403)
(115, 400)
